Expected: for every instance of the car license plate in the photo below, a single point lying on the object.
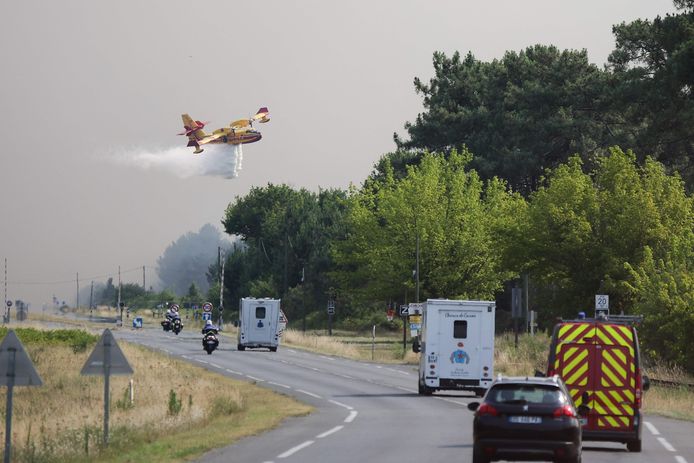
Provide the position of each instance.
(525, 419)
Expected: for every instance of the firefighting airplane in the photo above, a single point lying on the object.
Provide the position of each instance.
(239, 132)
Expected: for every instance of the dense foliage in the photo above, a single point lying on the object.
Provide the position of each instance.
(531, 110)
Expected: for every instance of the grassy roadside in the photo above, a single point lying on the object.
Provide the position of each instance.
(179, 411)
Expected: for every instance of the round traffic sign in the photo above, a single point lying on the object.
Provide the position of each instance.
(207, 307)
(9, 303)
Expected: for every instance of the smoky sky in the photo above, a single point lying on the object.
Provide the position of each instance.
(82, 80)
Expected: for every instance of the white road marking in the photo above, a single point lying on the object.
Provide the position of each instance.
(331, 431)
(378, 366)
(215, 365)
(234, 372)
(255, 379)
(309, 393)
(680, 459)
(451, 401)
(345, 376)
(406, 389)
(352, 415)
(666, 444)
(314, 369)
(292, 351)
(202, 361)
(279, 384)
(326, 357)
(186, 357)
(652, 428)
(340, 404)
(293, 450)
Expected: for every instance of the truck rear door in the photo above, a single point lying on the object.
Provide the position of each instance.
(459, 350)
(259, 325)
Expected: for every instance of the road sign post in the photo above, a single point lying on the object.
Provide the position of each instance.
(602, 305)
(106, 359)
(16, 369)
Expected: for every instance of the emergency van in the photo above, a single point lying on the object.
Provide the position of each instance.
(259, 323)
(599, 361)
(456, 343)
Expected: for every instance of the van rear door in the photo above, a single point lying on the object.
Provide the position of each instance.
(575, 352)
(614, 397)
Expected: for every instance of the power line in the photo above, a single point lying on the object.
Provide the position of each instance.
(93, 277)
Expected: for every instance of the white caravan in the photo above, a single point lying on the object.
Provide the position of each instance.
(457, 346)
(259, 323)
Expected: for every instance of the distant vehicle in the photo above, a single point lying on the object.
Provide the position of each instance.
(259, 324)
(457, 346)
(177, 326)
(599, 361)
(526, 418)
(239, 132)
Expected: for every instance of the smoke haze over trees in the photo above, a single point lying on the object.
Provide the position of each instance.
(187, 260)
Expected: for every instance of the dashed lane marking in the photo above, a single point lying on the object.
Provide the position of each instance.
(260, 380)
(652, 428)
(233, 372)
(293, 450)
(215, 365)
(666, 444)
(351, 416)
(340, 404)
(680, 459)
(203, 361)
(406, 389)
(279, 384)
(309, 393)
(330, 431)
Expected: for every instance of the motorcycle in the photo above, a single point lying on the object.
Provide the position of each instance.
(210, 342)
(166, 325)
(177, 326)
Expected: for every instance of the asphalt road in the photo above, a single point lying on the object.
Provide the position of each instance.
(367, 412)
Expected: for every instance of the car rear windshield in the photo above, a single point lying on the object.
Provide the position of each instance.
(526, 393)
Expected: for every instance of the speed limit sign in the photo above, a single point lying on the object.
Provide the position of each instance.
(207, 307)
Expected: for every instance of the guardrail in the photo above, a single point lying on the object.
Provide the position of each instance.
(668, 383)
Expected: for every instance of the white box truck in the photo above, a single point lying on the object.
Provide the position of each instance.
(456, 346)
(259, 323)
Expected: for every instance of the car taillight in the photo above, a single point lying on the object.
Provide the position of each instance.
(637, 392)
(486, 409)
(566, 410)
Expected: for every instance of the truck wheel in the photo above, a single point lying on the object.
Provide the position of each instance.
(424, 389)
(241, 347)
(634, 446)
(273, 349)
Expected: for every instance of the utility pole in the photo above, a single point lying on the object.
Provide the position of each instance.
(143, 279)
(78, 291)
(91, 298)
(416, 290)
(120, 307)
(6, 318)
(221, 295)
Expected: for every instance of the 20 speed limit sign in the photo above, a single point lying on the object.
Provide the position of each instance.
(207, 307)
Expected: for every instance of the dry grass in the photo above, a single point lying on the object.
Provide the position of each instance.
(63, 419)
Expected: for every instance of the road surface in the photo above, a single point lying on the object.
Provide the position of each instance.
(368, 412)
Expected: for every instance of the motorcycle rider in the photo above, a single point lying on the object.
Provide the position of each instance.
(209, 328)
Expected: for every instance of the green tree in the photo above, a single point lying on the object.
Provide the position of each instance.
(520, 115)
(585, 231)
(653, 66)
(452, 213)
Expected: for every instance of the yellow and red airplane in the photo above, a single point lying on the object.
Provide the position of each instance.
(238, 132)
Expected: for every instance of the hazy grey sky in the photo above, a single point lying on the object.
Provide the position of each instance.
(82, 80)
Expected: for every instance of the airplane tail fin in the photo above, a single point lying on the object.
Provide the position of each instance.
(193, 129)
(263, 115)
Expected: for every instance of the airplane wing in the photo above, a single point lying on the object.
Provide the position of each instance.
(211, 138)
(240, 123)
